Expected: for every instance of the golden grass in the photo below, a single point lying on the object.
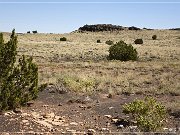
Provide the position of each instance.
(81, 61)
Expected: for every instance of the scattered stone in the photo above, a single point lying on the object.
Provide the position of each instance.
(58, 118)
(29, 104)
(25, 121)
(110, 108)
(57, 123)
(59, 104)
(17, 110)
(123, 122)
(44, 123)
(120, 126)
(133, 128)
(89, 107)
(110, 95)
(71, 131)
(104, 129)
(24, 114)
(73, 123)
(115, 120)
(87, 100)
(45, 105)
(166, 129)
(81, 106)
(91, 131)
(108, 116)
(46, 115)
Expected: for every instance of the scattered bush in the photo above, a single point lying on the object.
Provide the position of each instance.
(63, 39)
(34, 32)
(28, 32)
(98, 41)
(18, 81)
(148, 114)
(154, 37)
(122, 51)
(77, 84)
(109, 42)
(138, 41)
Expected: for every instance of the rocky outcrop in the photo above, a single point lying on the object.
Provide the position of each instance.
(101, 27)
(105, 27)
(175, 29)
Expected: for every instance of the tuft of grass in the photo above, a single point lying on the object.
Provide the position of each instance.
(77, 84)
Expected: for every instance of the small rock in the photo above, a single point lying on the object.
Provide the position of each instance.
(120, 126)
(91, 131)
(17, 110)
(165, 129)
(108, 116)
(25, 121)
(110, 108)
(45, 105)
(89, 107)
(29, 104)
(110, 95)
(87, 99)
(71, 131)
(104, 129)
(59, 104)
(115, 120)
(57, 123)
(81, 106)
(46, 116)
(52, 91)
(58, 118)
(132, 128)
(74, 123)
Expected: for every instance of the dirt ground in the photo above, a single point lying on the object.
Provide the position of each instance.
(55, 113)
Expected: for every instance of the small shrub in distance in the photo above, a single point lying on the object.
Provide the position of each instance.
(148, 113)
(138, 41)
(122, 51)
(109, 42)
(63, 39)
(28, 32)
(34, 32)
(98, 41)
(154, 37)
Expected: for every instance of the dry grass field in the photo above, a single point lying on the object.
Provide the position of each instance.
(81, 64)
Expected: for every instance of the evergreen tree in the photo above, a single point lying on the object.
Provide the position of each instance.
(18, 82)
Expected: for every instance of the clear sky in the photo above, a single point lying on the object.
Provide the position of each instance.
(66, 17)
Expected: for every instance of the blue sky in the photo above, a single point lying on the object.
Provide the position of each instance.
(66, 17)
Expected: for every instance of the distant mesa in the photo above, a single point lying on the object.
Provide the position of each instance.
(175, 29)
(105, 27)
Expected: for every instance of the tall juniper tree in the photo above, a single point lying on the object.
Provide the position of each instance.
(18, 79)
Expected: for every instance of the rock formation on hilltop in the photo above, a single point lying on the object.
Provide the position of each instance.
(105, 27)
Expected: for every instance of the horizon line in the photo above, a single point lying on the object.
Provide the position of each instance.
(98, 2)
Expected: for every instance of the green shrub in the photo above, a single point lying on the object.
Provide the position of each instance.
(63, 39)
(122, 51)
(148, 114)
(138, 41)
(154, 37)
(98, 41)
(18, 81)
(109, 42)
(34, 32)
